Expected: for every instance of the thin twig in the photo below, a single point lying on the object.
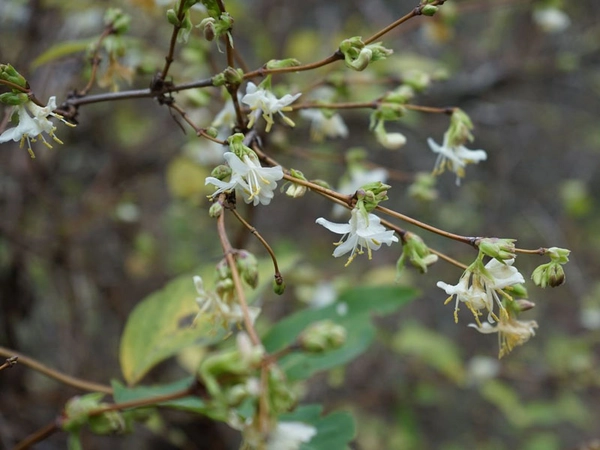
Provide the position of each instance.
(55, 374)
(38, 436)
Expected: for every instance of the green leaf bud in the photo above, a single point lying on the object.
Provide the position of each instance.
(117, 19)
(550, 274)
(9, 73)
(172, 17)
(212, 132)
(14, 98)
(429, 10)
(234, 76)
(417, 79)
(322, 336)
(247, 264)
(282, 63)
(558, 255)
(379, 52)
(417, 252)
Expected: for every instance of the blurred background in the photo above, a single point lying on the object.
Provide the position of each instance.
(91, 227)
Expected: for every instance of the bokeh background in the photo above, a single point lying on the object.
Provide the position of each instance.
(91, 227)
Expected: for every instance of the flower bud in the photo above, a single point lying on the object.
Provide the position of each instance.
(550, 274)
(282, 63)
(9, 73)
(322, 336)
(417, 252)
(212, 132)
(500, 249)
(278, 286)
(221, 172)
(208, 28)
(559, 255)
(524, 305)
(247, 264)
(14, 98)
(429, 10)
(234, 76)
(215, 210)
(378, 51)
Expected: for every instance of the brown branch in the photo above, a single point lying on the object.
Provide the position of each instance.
(38, 436)
(55, 374)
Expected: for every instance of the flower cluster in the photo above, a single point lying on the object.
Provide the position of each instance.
(256, 183)
(32, 127)
(260, 99)
(363, 230)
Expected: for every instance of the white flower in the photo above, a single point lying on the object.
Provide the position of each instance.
(455, 158)
(31, 128)
(256, 182)
(478, 291)
(323, 126)
(261, 99)
(290, 436)
(363, 230)
(511, 332)
(551, 20)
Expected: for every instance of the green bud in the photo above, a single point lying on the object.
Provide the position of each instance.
(212, 8)
(361, 62)
(295, 190)
(550, 274)
(400, 95)
(429, 10)
(9, 73)
(223, 271)
(219, 80)
(247, 264)
(236, 145)
(110, 422)
(77, 409)
(379, 52)
(117, 19)
(234, 76)
(322, 336)
(172, 17)
(517, 291)
(460, 128)
(282, 63)
(212, 132)
(215, 210)
(417, 79)
(558, 255)
(278, 286)
(500, 249)
(417, 252)
(14, 98)
(221, 172)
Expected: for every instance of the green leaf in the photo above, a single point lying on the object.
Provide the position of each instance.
(61, 50)
(353, 310)
(192, 404)
(334, 431)
(163, 323)
(160, 326)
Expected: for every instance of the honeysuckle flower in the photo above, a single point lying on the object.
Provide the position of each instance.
(30, 128)
(290, 435)
(454, 158)
(478, 289)
(511, 332)
(256, 183)
(324, 126)
(363, 230)
(258, 98)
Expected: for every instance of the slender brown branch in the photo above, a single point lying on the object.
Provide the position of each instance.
(38, 436)
(337, 56)
(199, 131)
(415, 12)
(430, 109)
(95, 59)
(10, 362)
(55, 374)
(265, 244)
(347, 105)
(539, 251)
(169, 58)
(235, 275)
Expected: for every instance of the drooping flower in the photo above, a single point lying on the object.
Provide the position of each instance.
(511, 332)
(258, 98)
(325, 126)
(363, 230)
(478, 288)
(30, 128)
(290, 435)
(455, 158)
(256, 183)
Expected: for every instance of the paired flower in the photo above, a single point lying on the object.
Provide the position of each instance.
(259, 98)
(257, 183)
(363, 230)
(478, 288)
(30, 128)
(454, 157)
